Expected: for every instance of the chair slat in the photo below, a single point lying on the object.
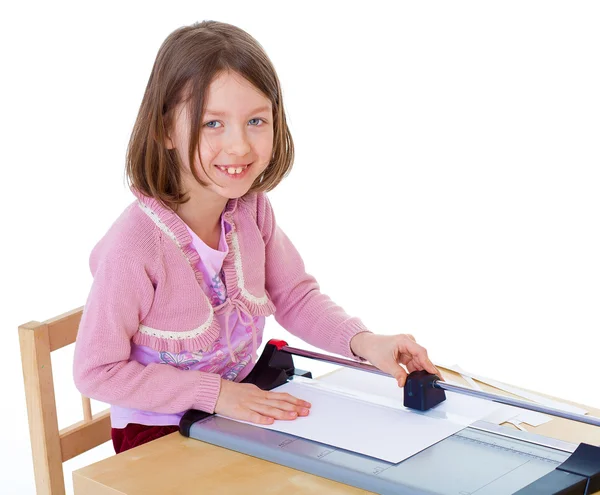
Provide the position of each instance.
(62, 330)
(85, 435)
(87, 408)
(41, 408)
(50, 447)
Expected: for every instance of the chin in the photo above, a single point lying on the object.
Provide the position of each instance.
(234, 192)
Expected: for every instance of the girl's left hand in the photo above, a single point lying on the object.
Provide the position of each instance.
(388, 352)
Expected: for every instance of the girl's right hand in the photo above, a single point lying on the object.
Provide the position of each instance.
(247, 402)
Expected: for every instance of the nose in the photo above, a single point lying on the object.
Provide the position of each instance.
(236, 142)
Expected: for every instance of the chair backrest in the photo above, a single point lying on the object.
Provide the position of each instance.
(51, 447)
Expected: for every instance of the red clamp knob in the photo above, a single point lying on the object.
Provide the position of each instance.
(280, 344)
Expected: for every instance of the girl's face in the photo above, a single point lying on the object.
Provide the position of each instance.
(236, 137)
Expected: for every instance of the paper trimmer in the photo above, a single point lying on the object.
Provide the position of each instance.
(481, 459)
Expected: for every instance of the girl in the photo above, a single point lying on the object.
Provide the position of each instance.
(184, 278)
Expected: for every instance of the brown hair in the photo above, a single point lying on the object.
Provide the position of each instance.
(186, 63)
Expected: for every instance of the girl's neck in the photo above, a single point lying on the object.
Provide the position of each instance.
(202, 214)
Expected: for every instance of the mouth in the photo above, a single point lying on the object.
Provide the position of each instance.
(236, 171)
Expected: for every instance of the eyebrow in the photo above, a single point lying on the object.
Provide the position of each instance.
(222, 114)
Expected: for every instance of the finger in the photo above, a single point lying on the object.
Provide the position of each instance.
(286, 406)
(420, 356)
(272, 412)
(413, 364)
(283, 396)
(411, 337)
(399, 374)
(409, 360)
(257, 418)
(426, 364)
(429, 366)
(410, 366)
(405, 358)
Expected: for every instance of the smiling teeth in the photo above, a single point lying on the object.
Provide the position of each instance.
(232, 170)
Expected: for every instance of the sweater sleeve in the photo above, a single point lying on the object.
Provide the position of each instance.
(121, 295)
(301, 308)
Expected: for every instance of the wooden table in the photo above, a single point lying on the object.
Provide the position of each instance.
(178, 465)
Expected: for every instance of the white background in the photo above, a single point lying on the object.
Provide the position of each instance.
(446, 180)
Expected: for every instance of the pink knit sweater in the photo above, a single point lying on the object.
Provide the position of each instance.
(147, 290)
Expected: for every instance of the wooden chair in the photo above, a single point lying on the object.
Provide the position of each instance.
(51, 447)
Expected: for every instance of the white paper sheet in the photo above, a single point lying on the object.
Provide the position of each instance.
(472, 383)
(502, 415)
(509, 414)
(519, 392)
(459, 408)
(359, 426)
(532, 418)
(364, 413)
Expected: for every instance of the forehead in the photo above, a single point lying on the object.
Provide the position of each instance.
(230, 93)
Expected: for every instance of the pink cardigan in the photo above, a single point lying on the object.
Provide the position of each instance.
(147, 289)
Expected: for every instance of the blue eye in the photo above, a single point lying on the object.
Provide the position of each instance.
(211, 122)
(256, 119)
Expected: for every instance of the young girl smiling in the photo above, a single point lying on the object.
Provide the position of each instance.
(185, 277)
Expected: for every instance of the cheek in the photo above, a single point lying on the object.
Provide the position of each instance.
(265, 147)
(208, 152)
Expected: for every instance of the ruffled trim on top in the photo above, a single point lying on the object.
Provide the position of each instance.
(171, 225)
(234, 279)
(168, 221)
(203, 337)
(174, 228)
